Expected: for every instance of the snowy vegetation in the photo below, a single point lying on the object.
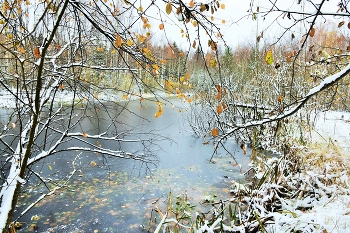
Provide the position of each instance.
(68, 64)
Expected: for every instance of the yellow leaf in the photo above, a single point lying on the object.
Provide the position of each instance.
(269, 57)
(215, 132)
(130, 43)
(155, 66)
(140, 8)
(191, 4)
(84, 135)
(223, 21)
(21, 50)
(212, 63)
(222, 6)
(93, 163)
(182, 78)
(35, 218)
(195, 23)
(50, 167)
(161, 26)
(168, 8)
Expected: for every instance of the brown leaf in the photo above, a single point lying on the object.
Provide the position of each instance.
(224, 105)
(244, 148)
(280, 98)
(312, 32)
(215, 132)
(341, 24)
(37, 52)
(202, 7)
(194, 44)
(118, 41)
(219, 109)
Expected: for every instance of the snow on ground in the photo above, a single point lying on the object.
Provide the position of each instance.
(332, 134)
(334, 125)
(8, 101)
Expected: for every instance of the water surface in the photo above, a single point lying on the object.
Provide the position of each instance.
(119, 195)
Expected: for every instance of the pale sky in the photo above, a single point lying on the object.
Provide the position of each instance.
(242, 29)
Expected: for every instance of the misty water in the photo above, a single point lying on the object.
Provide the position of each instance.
(108, 194)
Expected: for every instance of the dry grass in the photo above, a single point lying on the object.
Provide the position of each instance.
(326, 156)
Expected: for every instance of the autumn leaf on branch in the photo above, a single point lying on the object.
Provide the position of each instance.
(37, 52)
(312, 32)
(215, 132)
(269, 57)
(118, 41)
(168, 8)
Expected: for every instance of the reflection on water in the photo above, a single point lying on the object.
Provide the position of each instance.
(118, 195)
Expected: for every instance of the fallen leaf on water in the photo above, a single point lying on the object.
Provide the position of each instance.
(244, 148)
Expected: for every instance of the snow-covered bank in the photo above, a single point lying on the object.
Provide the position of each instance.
(8, 100)
(333, 125)
(313, 193)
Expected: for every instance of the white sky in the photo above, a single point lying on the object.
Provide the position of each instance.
(241, 29)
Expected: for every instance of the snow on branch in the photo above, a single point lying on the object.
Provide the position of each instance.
(104, 68)
(114, 153)
(326, 83)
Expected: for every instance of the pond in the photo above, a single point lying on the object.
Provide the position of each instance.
(120, 195)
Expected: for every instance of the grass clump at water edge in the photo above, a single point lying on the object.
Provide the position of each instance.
(305, 190)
